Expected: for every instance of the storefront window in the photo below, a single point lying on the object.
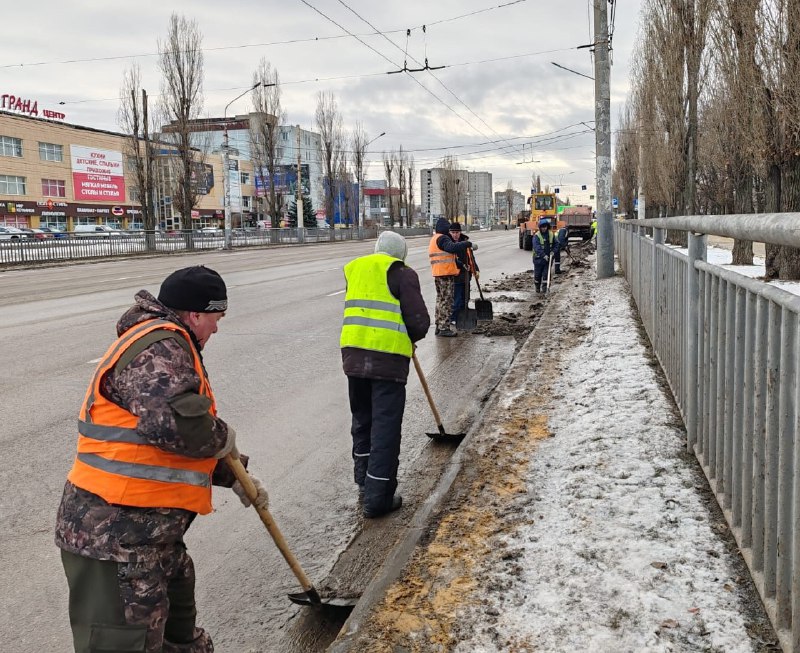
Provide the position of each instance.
(53, 188)
(10, 146)
(12, 185)
(51, 152)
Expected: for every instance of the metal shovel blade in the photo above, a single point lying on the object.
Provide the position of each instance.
(313, 599)
(444, 436)
(483, 309)
(466, 319)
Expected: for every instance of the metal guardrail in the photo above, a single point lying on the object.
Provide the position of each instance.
(71, 247)
(730, 349)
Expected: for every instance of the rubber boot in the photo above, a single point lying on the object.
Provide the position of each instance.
(538, 287)
(360, 472)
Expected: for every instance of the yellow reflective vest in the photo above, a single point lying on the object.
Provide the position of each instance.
(372, 316)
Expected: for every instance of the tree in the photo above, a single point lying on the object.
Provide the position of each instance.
(135, 120)
(389, 162)
(329, 126)
(453, 187)
(309, 215)
(358, 145)
(181, 64)
(264, 134)
(509, 195)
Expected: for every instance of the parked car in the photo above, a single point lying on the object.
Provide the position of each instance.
(94, 231)
(39, 234)
(11, 233)
(56, 232)
(211, 230)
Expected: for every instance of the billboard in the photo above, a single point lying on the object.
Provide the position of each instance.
(285, 180)
(97, 174)
(234, 186)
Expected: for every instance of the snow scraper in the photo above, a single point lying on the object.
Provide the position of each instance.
(442, 435)
(309, 595)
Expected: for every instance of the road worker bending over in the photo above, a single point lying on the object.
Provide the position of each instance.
(149, 449)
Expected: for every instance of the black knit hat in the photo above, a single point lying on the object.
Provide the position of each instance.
(456, 226)
(197, 288)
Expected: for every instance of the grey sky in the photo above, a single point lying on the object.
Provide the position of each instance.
(515, 98)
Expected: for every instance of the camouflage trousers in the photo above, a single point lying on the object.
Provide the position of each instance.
(445, 288)
(143, 606)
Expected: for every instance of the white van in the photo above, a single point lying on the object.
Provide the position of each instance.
(94, 231)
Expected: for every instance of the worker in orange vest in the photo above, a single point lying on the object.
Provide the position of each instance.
(442, 252)
(150, 446)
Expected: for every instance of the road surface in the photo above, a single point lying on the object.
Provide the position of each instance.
(276, 372)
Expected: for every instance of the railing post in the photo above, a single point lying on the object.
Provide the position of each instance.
(655, 289)
(697, 252)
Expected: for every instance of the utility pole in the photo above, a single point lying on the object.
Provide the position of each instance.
(226, 181)
(602, 116)
(300, 213)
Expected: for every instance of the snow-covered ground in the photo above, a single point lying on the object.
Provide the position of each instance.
(621, 552)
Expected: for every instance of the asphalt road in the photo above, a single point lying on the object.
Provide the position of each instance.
(276, 372)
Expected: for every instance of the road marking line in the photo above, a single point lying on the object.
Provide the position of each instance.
(338, 292)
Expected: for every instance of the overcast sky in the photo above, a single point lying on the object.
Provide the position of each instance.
(531, 109)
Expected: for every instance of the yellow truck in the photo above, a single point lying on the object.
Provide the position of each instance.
(542, 205)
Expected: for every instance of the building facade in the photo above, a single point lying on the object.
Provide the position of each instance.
(249, 177)
(480, 197)
(58, 174)
(475, 203)
(501, 206)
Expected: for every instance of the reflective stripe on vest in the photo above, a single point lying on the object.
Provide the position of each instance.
(117, 464)
(373, 319)
(443, 264)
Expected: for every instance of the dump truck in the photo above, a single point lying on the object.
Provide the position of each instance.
(577, 220)
(542, 205)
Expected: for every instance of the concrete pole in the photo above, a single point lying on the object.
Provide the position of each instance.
(300, 214)
(602, 111)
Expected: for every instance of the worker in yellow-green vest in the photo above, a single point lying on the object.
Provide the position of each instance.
(384, 315)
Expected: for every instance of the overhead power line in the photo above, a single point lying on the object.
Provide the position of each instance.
(241, 46)
(383, 56)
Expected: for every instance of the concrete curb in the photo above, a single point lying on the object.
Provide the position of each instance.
(397, 559)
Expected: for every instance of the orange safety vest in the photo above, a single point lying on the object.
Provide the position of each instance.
(443, 264)
(117, 464)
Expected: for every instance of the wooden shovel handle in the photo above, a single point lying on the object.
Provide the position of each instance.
(427, 390)
(252, 492)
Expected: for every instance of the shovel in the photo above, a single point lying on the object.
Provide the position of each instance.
(309, 596)
(442, 435)
(483, 307)
(549, 272)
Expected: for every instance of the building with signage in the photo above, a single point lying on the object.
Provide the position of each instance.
(248, 178)
(58, 174)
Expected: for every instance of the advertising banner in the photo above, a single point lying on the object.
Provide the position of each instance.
(234, 186)
(285, 180)
(97, 174)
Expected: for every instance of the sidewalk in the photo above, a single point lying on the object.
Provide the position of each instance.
(576, 521)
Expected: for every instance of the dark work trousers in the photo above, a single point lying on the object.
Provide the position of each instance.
(136, 607)
(458, 298)
(377, 408)
(539, 271)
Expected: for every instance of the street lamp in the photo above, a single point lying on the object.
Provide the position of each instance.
(226, 182)
(359, 217)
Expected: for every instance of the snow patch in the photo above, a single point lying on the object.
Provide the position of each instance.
(618, 553)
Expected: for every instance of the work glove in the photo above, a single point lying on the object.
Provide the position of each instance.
(262, 498)
(474, 246)
(230, 446)
(477, 275)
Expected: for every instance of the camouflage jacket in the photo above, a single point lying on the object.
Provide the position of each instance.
(89, 526)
